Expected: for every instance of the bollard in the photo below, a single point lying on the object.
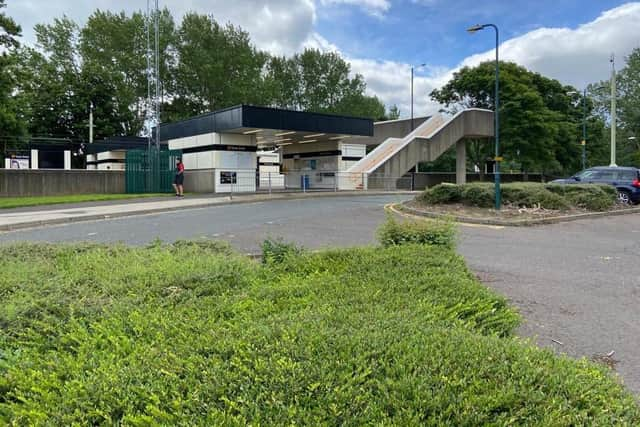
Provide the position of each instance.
(269, 182)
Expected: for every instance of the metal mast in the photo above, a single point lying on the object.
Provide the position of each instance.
(153, 74)
(149, 113)
(157, 73)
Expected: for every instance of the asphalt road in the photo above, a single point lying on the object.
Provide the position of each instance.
(577, 283)
(313, 223)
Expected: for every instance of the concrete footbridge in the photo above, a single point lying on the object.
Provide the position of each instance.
(396, 156)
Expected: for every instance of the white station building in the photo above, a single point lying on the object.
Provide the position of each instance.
(246, 148)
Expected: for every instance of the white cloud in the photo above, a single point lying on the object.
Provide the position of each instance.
(373, 7)
(278, 26)
(573, 56)
(391, 82)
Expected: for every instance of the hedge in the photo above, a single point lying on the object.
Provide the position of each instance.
(194, 334)
(548, 196)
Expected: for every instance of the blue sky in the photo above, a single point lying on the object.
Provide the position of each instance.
(433, 31)
(569, 40)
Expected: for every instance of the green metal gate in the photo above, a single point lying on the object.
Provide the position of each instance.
(150, 171)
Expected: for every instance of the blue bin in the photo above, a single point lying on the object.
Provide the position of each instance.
(304, 181)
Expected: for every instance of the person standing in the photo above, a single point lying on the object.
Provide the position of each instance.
(178, 181)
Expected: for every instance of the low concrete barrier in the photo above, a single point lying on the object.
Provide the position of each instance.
(57, 182)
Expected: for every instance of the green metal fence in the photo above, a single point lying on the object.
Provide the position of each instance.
(150, 171)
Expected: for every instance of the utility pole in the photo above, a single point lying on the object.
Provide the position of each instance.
(613, 111)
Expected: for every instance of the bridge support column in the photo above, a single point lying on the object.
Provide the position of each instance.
(461, 162)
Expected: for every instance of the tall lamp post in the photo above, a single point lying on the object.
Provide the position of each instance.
(412, 68)
(584, 126)
(496, 114)
(613, 111)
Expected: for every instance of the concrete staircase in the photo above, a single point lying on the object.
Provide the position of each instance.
(396, 156)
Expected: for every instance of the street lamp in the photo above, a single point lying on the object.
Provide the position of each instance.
(613, 110)
(496, 131)
(584, 126)
(412, 67)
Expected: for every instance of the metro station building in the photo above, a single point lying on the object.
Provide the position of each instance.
(244, 148)
(292, 149)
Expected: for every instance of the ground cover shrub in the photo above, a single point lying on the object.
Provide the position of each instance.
(443, 193)
(532, 195)
(527, 195)
(275, 250)
(186, 335)
(428, 232)
(592, 197)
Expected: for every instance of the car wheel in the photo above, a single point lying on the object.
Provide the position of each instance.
(624, 197)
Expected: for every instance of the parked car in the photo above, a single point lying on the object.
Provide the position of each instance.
(625, 179)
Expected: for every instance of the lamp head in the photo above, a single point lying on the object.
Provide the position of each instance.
(475, 28)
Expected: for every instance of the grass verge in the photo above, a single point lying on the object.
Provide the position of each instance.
(194, 334)
(20, 202)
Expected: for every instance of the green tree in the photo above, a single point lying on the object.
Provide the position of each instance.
(11, 122)
(51, 79)
(539, 124)
(320, 82)
(393, 113)
(628, 111)
(217, 67)
(113, 47)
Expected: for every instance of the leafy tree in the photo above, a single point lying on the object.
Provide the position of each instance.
(393, 113)
(320, 82)
(113, 48)
(217, 66)
(628, 112)
(204, 66)
(539, 124)
(53, 76)
(11, 122)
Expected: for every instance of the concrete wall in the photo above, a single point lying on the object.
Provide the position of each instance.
(200, 181)
(56, 182)
(388, 129)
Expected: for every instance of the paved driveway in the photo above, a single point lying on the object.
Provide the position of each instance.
(576, 283)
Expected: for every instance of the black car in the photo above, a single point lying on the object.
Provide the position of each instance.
(625, 179)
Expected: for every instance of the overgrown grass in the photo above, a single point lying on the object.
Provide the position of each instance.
(548, 196)
(428, 232)
(19, 202)
(193, 334)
